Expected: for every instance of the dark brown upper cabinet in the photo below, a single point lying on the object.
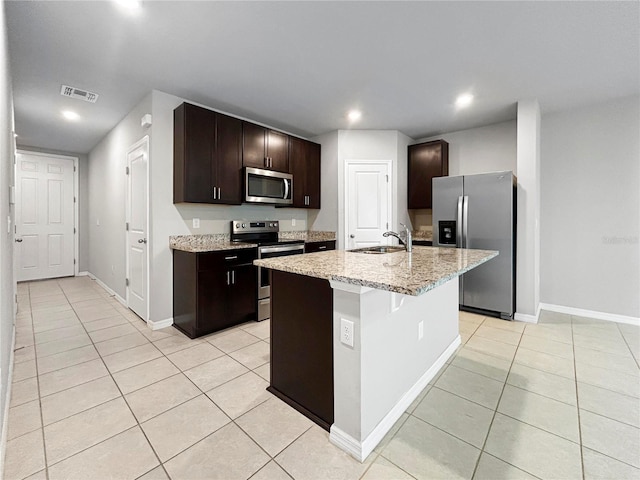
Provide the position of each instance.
(304, 165)
(426, 161)
(264, 148)
(207, 156)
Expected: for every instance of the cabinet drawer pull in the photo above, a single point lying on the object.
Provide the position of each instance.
(228, 282)
(234, 257)
(233, 277)
(323, 247)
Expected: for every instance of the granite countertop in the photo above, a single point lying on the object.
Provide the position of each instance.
(411, 274)
(308, 236)
(221, 241)
(206, 243)
(422, 235)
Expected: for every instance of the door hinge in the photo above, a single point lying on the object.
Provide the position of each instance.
(74, 230)
(387, 225)
(126, 226)
(74, 261)
(126, 282)
(74, 168)
(74, 199)
(127, 170)
(387, 176)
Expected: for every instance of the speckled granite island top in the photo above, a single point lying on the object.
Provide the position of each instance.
(423, 270)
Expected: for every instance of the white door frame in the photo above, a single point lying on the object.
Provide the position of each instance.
(76, 201)
(144, 140)
(348, 163)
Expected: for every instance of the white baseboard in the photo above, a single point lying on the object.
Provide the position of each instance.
(157, 325)
(580, 312)
(7, 402)
(82, 274)
(109, 290)
(527, 318)
(361, 450)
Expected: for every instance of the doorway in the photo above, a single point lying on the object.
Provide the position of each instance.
(46, 216)
(367, 202)
(137, 226)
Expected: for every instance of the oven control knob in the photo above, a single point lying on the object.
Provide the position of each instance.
(244, 225)
(272, 224)
(237, 225)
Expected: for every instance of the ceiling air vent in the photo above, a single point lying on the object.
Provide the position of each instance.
(73, 92)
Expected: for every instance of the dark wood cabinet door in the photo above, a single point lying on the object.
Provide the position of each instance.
(194, 141)
(242, 294)
(278, 151)
(313, 175)
(298, 168)
(304, 165)
(426, 161)
(254, 148)
(212, 301)
(228, 159)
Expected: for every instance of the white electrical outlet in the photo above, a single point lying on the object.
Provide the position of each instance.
(196, 223)
(346, 332)
(420, 330)
(293, 222)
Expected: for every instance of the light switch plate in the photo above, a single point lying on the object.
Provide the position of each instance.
(196, 223)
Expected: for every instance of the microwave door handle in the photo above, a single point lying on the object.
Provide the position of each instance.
(286, 188)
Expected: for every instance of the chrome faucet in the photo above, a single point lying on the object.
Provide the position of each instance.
(403, 237)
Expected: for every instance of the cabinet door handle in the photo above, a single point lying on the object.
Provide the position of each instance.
(228, 281)
(214, 193)
(219, 193)
(233, 277)
(233, 257)
(266, 162)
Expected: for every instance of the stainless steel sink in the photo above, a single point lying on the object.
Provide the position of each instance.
(379, 249)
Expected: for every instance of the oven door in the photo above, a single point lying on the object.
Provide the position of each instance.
(264, 288)
(266, 186)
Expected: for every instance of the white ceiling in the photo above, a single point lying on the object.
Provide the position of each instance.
(300, 66)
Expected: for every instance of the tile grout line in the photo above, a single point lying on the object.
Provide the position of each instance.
(575, 371)
(128, 407)
(44, 445)
(495, 412)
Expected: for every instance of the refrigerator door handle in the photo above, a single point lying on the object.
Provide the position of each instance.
(459, 224)
(465, 222)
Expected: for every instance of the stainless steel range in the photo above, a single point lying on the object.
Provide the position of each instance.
(265, 234)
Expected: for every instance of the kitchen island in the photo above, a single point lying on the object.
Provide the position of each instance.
(355, 337)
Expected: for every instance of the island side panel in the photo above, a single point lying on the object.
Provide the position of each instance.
(302, 344)
(378, 378)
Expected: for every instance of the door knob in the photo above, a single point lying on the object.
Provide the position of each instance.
(352, 236)
(142, 240)
(19, 240)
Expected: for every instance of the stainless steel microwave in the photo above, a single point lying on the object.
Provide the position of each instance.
(267, 186)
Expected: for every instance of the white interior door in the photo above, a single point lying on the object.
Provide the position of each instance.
(45, 216)
(137, 227)
(367, 204)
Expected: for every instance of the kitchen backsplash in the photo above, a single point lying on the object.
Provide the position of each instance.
(217, 218)
(421, 219)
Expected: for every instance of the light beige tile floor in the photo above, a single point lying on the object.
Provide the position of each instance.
(96, 394)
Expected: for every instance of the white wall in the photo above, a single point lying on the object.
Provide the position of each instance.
(481, 150)
(327, 217)
(590, 208)
(7, 282)
(342, 145)
(107, 194)
(528, 234)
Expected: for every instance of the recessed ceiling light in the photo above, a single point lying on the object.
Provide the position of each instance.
(464, 100)
(129, 5)
(354, 115)
(69, 115)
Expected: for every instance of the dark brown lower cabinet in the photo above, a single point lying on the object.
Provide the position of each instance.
(302, 345)
(311, 247)
(213, 290)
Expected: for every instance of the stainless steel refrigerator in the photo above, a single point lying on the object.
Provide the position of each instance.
(479, 211)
